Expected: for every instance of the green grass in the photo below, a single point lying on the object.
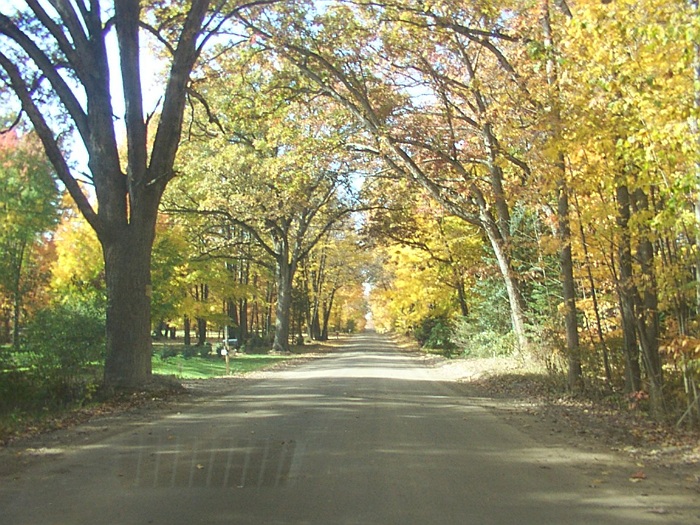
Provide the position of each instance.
(205, 367)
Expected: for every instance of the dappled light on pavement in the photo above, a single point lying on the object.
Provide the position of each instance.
(363, 436)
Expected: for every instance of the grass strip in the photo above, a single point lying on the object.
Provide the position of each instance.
(203, 368)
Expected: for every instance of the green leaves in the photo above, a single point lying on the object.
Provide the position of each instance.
(28, 211)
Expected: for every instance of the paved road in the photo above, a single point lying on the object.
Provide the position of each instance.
(362, 437)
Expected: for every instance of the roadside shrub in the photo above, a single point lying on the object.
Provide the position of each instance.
(257, 345)
(441, 338)
(255, 342)
(167, 351)
(205, 350)
(474, 340)
(435, 333)
(17, 391)
(66, 347)
(191, 351)
(421, 333)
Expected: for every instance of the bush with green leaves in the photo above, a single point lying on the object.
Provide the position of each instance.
(66, 345)
(473, 339)
(435, 333)
(166, 351)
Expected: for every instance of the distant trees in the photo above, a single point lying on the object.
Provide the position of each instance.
(264, 165)
(29, 201)
(332, 278)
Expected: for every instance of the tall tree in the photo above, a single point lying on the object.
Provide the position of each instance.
(58, 60)
(333, 265)
(403, 216)
(563, 226)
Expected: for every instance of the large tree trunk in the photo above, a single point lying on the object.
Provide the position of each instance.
(243, 317)
(566, 263)
(648, 315)
(626, 292)
(327, 308)
(6, 326)
(285, 275)
(315, 328)
(512, 284)
(201, 331)
(575, 373)
(309, 302)
(202, 295)
(128, 279)
(127, 199)
(461, 293)
(316, 280)
(187, 330)
(515, 298)
(269, 296)
(232, 312)
(244, 279)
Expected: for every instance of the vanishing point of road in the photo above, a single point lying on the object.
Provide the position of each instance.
(362, 436)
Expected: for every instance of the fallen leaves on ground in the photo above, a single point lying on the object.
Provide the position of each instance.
(605, 419)
(157, 393)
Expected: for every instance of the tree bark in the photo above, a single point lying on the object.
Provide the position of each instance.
(575, 372)
(566, 263)
(461, 293)
(244, 279)
(188, 330)
(284, 275)
(626, 292)
(202, 296)
(243, 330)
(648, 314)
(128, 281)
(201, 331)
(269, 296)
(232, 312)
(512, 284)
(327, 308)
(17, 294)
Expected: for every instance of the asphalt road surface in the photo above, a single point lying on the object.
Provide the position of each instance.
(363, 436)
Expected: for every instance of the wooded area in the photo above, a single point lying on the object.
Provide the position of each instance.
(504, 177)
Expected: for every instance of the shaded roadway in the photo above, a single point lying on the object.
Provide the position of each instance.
(363, 436)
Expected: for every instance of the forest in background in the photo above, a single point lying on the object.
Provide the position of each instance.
(515, 177)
